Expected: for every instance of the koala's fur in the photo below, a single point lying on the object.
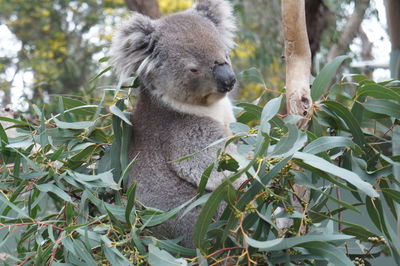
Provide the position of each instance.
(178, 112)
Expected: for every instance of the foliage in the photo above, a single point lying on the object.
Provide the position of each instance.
(61, 197)
(172, 6)
(58, 40)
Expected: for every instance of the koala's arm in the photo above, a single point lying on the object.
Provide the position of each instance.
(192, 140)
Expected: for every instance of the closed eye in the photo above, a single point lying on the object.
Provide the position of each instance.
(195, 70)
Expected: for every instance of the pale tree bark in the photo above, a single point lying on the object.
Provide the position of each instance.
(298, 72)
(146, 7)
(298, 60)
(351, 29)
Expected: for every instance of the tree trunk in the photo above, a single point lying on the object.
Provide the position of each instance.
(146, 7)
(366, 52)
(351, 29)
(298, 72)
(393, 19)
(298, 60)
(318, 18)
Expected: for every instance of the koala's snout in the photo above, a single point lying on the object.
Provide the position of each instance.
(225, 77)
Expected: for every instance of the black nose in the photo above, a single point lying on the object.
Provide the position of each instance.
(225, 77)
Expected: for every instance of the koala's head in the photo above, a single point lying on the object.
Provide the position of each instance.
(183, 56)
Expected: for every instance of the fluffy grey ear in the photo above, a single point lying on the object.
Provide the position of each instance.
(132, 46)
(220, 12)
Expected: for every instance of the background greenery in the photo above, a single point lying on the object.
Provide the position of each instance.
(61, 201)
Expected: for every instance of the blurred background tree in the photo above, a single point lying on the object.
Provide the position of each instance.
(59, 41)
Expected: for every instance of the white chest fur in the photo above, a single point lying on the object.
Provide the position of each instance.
(220, 111)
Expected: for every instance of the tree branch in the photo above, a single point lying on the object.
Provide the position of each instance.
(298, 60)
(350, 31)
(298, 72)
(146, 7)
(318, 18)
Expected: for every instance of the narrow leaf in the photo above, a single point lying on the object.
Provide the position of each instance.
(325, 77)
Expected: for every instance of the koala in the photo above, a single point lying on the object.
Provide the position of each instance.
(182, 61)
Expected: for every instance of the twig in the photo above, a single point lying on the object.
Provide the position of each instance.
(32, 223)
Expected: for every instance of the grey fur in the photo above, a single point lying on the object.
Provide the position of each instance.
(178, 112)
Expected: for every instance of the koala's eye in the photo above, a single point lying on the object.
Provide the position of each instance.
(195, 70)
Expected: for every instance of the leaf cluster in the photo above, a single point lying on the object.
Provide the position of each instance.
(62, 201)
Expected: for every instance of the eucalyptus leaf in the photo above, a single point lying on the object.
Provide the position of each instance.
(73, 125)
(286, 243)
(325, 77)
(345, 174)
(116, 111)
(327, 143)
(158, 257)
(55, 190)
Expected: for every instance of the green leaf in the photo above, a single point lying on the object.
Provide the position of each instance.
(115, 257)
(199, 201)
(251, 108)
(106, 179)
(13, 206)
(286, 243)
(372, 206)
(83, 253)
(115, 222)
(269, 111)
(156, 219)
(378, 91)
(116, 147)
(392, 193)
(344, 174)
(384, 107)
(327, 143)
(292, 142)
(125, 172)
(209, 211)
(130, 203)
(251, 75)
(351, 122)
(383, 184)
(3, 137)
(239, 128)
(158, 257)
(78, 107)
(116, 111)
(70, 214)
(100, 74)
(73, 125)
(256, 187)
(170, 246)
(57, 153)
(104, 59)
(325, 77)
(55, 190)
(332, 254)
(204, 179)
(359, 232)
(18, 122)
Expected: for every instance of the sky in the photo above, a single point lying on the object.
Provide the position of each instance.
(374, 28)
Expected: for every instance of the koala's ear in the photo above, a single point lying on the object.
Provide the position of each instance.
(132, 46)
(220, 12)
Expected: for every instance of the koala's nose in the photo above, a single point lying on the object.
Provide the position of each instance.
(225, 77)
